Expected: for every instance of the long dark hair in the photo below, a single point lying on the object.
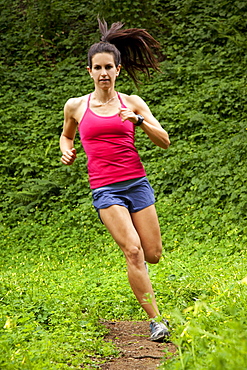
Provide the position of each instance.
(134, 48)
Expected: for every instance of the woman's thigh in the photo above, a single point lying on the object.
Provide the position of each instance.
(136, 229)
(147, 226)
(118, 221)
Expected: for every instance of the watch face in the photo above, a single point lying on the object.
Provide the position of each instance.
(140, 120)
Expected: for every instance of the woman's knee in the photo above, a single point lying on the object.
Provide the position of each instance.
(134, 254)
(153, 255)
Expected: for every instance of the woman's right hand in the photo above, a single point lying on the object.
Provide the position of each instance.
(68, 156)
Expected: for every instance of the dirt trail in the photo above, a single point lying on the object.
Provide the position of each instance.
(136, 351)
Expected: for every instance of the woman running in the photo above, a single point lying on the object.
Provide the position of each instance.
(107, 120)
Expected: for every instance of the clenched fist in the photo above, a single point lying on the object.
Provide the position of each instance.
(69, 156)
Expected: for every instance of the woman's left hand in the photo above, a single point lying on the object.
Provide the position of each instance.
(127, 114)
(150, 124)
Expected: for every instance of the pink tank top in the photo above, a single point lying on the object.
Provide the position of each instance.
(109, 145)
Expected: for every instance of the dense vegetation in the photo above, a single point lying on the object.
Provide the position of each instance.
(58, 265)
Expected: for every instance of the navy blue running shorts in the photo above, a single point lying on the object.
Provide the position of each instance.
(135, 195)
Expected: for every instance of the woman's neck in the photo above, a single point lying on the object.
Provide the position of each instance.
(104, 97)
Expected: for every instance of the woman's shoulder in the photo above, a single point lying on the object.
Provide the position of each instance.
(131, 100)
(74, 103)
(75, 107)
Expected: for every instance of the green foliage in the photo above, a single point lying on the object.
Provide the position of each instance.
(55, 287)
(56, 275)
(42, 295)
(209, 319)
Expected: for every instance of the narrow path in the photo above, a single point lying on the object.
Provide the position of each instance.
(136, 351)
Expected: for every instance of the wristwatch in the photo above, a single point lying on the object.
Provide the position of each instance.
(140, 120)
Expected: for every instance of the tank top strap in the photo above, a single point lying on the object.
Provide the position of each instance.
(86, 111)
(88, 100)
(120, 99)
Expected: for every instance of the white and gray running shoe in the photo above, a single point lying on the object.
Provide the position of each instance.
(159, 330)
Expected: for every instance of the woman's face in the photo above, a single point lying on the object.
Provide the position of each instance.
(104, 71)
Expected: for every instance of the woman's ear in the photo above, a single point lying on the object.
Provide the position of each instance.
(118, 69)
(89, 71)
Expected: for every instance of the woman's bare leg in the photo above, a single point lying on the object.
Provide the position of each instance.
(119, 223)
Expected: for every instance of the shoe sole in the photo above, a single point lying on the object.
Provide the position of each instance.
(160, 337)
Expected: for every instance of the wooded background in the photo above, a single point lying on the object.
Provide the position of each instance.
(200, 99)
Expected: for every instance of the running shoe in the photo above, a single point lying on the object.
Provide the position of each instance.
(159, 330)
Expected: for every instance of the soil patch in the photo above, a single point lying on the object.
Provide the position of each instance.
(137, 352)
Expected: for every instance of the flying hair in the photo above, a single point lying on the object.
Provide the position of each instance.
(134, 48)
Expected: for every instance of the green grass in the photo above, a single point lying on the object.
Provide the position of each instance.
(57, 282)
(209, 320)
(47, 311)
